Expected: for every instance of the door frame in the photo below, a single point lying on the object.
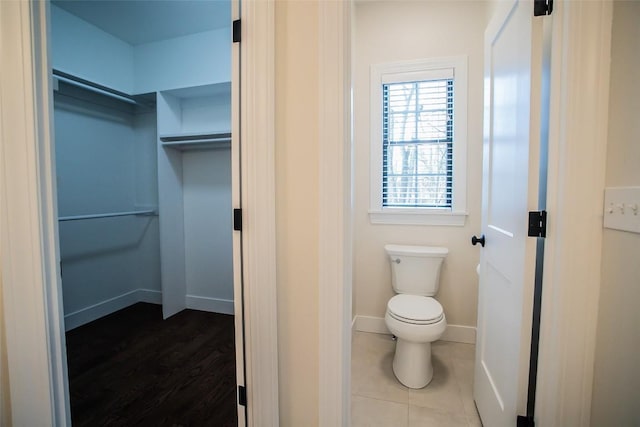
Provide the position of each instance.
(578, 123)
(32, 306)
(335, 201)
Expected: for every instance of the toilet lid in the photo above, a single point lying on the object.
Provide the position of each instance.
(415, 309)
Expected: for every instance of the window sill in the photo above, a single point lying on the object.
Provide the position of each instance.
(418, 217)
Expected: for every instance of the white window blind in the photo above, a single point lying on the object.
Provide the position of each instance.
(418, 123)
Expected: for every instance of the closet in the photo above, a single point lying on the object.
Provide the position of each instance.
(107, 201)
(194, 178)
(143, 137)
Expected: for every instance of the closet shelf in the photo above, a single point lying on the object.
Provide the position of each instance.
(150, 212)
(93, 87)
(190, 140)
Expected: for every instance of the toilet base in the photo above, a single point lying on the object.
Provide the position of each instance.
(412, 363)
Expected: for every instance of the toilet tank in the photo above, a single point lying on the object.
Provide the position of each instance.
(415, 270)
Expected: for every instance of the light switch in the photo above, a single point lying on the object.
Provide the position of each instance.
(622, 208)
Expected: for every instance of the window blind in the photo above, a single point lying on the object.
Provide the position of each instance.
(418, 144)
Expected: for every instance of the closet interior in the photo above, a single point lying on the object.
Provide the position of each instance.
(143, 155)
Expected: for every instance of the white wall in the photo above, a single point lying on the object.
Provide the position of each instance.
(297, 207)
(404, 30)
(195, 195)
(193, 60)
(208, 227)
(616, 386)
(105, 162)
(86, 51)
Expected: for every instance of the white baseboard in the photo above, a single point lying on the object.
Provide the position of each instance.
(371, 324)
(460, 333)
(147, 295)
(214, 305)
(103, 308)
(454, 333)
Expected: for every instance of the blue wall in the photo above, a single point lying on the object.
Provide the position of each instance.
(86, 51)
(105, 162)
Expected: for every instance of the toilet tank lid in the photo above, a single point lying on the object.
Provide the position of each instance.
(416, 250)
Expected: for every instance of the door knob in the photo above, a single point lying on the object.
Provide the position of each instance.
(475, 240)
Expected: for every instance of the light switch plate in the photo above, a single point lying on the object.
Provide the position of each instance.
(622, 208)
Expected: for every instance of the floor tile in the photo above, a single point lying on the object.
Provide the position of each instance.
(463, 372)
(366, 412)
(474, 420)
(371, 371)
(423, 417)
(379, 399)
(462, 351)
(442, 392)
(441, 349)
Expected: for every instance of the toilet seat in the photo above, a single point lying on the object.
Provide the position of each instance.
(415, 309)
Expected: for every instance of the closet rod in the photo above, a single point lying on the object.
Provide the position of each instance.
(93, 87)
(106, 215)
(193, 137)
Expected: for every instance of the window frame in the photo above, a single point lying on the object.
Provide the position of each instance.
(411, 71)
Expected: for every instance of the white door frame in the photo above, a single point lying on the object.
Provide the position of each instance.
(334, 255)
(257, 129)
(32, 305)
(31, 286)
(576, 177)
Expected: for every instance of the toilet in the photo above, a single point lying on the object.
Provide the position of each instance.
(413, 315)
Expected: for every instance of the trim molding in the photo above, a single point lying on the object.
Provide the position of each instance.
(257, 164)
(32, 308)
(460, 333)
(577, 156)
(212, 305)
(111, 305)
(453, 333)
(334, 254)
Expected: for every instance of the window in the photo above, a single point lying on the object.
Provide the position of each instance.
(418, 146)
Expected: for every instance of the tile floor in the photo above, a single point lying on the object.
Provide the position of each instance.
(378, 399)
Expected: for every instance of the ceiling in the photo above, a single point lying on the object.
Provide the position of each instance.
(143, 21)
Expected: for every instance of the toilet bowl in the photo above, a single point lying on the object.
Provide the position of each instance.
(415, 330)
(413, 315)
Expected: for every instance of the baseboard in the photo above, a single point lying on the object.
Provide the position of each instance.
(214, 305)
(103, 308)
(147, 295)
(454, 333)
(371, 324)
(460, 333)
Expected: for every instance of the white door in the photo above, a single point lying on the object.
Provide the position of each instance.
(510, 178)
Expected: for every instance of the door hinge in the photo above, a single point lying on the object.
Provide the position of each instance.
(242, 395)
(537, 224)
(237, 219)
(542, 7)
(237, 30)
(525, 421)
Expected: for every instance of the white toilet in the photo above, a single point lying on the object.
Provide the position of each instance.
(413, 315)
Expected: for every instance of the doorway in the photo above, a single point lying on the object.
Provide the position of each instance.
(31, 279)
(392, 36)
(143, 151)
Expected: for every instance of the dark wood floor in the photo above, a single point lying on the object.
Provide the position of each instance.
(132, 368)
